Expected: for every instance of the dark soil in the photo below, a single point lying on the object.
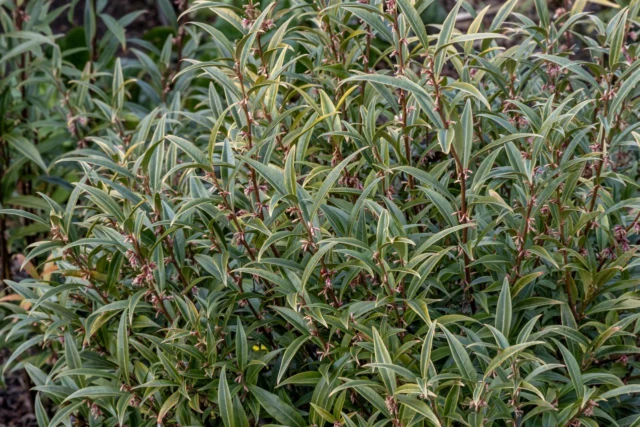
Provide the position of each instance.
(16, 401)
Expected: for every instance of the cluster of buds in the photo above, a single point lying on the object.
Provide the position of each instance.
(336, 156)
(94, 409)
(134, 400)
(476, 405)
(351, 181)
(21, 16)
(357, 281)
(540, 170)
(308, 245)
(559, 12)
(363, 57)
(326, 275)
(232, 215)
(238, 238)
(250, 188)
(548, 87)
(251, 13)
(553, 70)
(607, 253)
(240, 380)
(608, 94)
(100, 350)
(588, 409)
(376, 258)
(313, 230)
(391, 404)
(620, 234)
(132, 258)
(389, 192)
(391, 6)
(157, 300)
(466, 173)
(463, 217)
(259, 207)
(294, 211)
(516, 408)
(181, 4)
(146, 275)
(530, 225)
(325, 353)
(358, 337)
(352, 319)
(71, 123)
(428, 72)
(267, 25)
(335, 41)
(201, 344)
(56, 233)
(210, 176)
(519, 121)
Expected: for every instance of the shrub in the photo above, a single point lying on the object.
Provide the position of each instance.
(345, 217)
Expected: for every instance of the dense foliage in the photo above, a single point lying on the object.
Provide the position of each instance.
(314, 213)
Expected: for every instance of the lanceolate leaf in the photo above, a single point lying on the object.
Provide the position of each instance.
(224, 401)
(504, 310)
(382, 356)
(278, 409)
(460, 356)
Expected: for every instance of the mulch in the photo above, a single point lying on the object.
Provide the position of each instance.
(16, 401)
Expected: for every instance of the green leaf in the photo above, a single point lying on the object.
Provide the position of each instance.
(425, 354)
(504, 310)
(619, 391)
(123, 346)
(242, 347)
(443, 38)
(415, 22)
(116, 29)
(422, 96)
(328, 183)
(289, 354)
(95, 392)
(471, 90)
(277, 408)
(382, 356)
(64, 414)
(168, 405)
(420, 407)
(506, 354)
(574, 369)
(27, 149)
(617, 38)
(460, 356)
(224, 401)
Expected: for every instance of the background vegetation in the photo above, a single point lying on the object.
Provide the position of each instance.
(308, 213)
